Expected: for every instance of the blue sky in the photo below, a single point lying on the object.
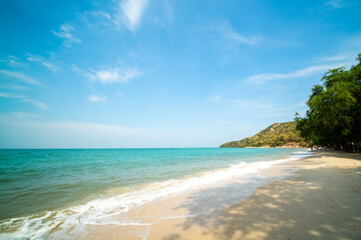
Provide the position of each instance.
(157, 73)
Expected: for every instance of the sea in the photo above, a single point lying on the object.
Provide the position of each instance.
(50, 193)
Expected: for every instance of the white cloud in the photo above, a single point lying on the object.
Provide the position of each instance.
(130, 13)
(116, 75)
(265, 77)
(21, 77)
(335, 3)
(66, 31)
(42, 61)
(109, 74)
(94, 98)
(25, 99)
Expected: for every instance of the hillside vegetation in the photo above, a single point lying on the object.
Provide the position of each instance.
(276, 135)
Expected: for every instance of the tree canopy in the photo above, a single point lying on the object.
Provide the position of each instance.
(334, 115)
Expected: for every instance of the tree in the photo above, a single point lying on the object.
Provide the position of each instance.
(334, 115)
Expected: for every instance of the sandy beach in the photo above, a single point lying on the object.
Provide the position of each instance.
(317, 197)
(320, 201)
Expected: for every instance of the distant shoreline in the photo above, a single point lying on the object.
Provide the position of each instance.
(268, 146)
(285, 146)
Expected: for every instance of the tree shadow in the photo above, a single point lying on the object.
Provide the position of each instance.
(320, 203)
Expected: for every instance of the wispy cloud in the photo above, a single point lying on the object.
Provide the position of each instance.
(235, 36)
(21, 77)
(347, 56)
(94, 98)
(101, 14)
(109, 74)
(228, 40)
(41, 61)
(265, 77)
(66, 31)
(37, 104)
(13, 61)
(130, 13)
(116, 75)
(13, 86)
(338, 57)
(97, 19)
(335, 3)
(230, 35)
(88, 74)
(26, 99)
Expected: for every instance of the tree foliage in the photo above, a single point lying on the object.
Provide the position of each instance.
(334, 115)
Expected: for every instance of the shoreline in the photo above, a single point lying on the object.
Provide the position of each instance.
(283, 199)
(131, 213)
(186, 212)
(320, 201)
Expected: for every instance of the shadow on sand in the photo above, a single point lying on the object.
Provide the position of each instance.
(317, 203)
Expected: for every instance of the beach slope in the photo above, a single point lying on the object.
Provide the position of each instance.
(321, 201)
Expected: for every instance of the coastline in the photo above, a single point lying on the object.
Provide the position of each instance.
(296, 197)
(320, 201)
(229, 176)
(283, 146)
(191, 214)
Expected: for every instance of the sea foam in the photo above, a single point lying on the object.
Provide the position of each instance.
(107, 210)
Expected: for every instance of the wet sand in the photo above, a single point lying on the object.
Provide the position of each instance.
(321, 201)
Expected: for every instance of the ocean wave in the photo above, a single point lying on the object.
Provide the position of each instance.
(107, 210)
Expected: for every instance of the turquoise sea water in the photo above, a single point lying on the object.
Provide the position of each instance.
(46, 180)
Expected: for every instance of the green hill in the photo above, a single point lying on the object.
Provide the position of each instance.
(276, 135)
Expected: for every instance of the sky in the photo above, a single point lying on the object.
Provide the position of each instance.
(158, 73)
